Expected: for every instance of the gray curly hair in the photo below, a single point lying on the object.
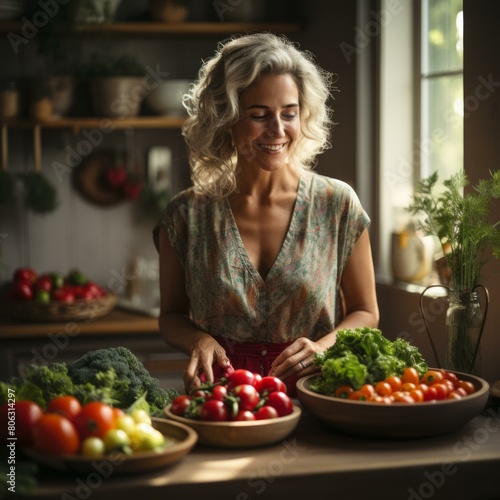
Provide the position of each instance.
(213, 106)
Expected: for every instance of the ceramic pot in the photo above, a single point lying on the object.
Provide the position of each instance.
(117, 96)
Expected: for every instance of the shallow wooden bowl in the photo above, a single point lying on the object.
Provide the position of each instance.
(397, 420)
(181, 437)
(241, 434)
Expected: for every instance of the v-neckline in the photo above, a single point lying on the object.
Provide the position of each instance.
(242, 248)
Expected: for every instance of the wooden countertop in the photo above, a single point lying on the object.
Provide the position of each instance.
(316, 462)
(118, 321)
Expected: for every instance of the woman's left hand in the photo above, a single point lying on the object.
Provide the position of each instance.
(297, 359)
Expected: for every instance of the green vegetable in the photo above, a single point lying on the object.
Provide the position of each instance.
(364, 356)
(133, 380)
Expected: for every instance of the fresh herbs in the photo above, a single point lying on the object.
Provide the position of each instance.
(461, 223)
(364, 356)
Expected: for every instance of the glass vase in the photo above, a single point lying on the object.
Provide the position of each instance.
(464, 321)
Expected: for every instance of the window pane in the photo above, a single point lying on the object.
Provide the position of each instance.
(442, 126)
(442, 25)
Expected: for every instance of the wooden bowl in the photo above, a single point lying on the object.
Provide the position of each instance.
(182, 437)
(397, 420)
(241, 434)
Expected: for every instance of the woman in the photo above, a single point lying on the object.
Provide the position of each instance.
(262, 261)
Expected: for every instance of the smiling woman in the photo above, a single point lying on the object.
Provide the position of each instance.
(262, 261)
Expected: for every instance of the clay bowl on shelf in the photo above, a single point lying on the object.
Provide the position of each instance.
(181, 440)
(241, 434)
(397, 420)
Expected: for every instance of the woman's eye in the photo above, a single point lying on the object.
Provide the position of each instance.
(258, 117)
(289, 116)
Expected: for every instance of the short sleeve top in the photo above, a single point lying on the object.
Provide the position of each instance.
(300, 296)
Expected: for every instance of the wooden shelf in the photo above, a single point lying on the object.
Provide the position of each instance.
(165, 29)
(139, 122)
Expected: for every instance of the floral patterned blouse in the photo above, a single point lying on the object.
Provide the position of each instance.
(300, 296)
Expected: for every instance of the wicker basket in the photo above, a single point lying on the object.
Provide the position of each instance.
(55, 311)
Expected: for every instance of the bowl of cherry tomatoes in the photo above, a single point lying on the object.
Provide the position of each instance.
(239, 411)
(399, 407)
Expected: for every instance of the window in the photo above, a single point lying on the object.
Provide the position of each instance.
(420, 107)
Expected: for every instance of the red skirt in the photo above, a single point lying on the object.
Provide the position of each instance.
(256, 357)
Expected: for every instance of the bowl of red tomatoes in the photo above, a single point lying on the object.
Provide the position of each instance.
(399, 407)
(238, 411)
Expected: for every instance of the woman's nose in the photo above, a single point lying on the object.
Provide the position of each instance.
(276, 127)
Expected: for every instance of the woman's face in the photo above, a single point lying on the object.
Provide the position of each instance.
(266, 134)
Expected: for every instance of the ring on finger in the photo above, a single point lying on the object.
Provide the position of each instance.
(303, 365)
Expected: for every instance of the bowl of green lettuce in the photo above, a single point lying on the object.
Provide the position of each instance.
(365, 356)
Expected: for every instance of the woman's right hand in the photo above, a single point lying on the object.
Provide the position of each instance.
(205, 352)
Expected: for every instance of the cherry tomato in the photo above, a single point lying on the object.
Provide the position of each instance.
(23, 415)
(245, 416)
(118, 413)
(213, 410)
(344, 391)
(219, 392)
(448, 383)
(95, 419)
(454, 395)
(467, 386)
(451, 376)
(271, 384)
(410, 375)
(368, 390)
(417, 395)
(461, 391)
(441, 391)
(408, 387)
(55, 434)
(395, 382)
(281, 402)
(402, 397)
(257, 377)
(240, 377)
(22, 290)
(180, 404)
(358, 396)
(68, 406)
(25, 273)
(432, 377)
(247, 395)
(383, 388)
(431, 394)
(266, 412)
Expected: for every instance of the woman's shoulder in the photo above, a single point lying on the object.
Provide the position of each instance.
(329, 186)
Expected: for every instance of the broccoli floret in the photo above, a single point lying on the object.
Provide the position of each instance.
(129, 382)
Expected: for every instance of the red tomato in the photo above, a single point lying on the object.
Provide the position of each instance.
(358, 396)
(68, 406)
(63, 295)
(383, 388)
(219, 392)
(281, 402)
(395, 382)
(94, 289)
(44, 282)
(244, 416)
(266, 412)
(441, 391)
(451, 376)
(180, 404)
(240, 377)
(18, 421)
(271, 384)
(55, 434)
(22, 290)
(95, 419)
(417, 395)
(247, 396)
(431, 394)
(25, 273)
(213, 410)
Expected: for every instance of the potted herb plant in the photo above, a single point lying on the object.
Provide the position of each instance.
(116, 84)
(460, 222)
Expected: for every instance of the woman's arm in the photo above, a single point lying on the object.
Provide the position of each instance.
(176, 328)
(361, 307)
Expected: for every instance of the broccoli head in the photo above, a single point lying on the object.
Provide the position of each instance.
(119, 369)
